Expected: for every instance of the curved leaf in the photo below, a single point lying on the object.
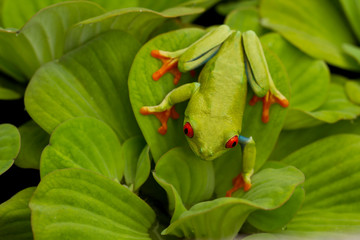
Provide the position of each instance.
(352, 89)
(292, 140)
(15, 217)
(227, 7)
(144, 91)
(353, 51)
(139, 22)
(41, 39)
(192, 178)
(223, 217)
(137, 162)
(337, 107)
(244, 19)
(309, 77)
(332, 189)
(318, 28)
(90, 81)
(79, 204)
(33, 141)
(269, 221)
(9, 146)
(143, 168)
(352, 11)
(83, 143)
(10, 90)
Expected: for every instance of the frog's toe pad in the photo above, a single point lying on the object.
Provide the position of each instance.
(238, 182)
(268, 100)
(169, 65)
(162, 116)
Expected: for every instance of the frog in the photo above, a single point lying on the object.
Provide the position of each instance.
(213, 117)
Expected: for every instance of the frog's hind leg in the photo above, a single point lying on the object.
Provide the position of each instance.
(243, 180)
(259, 77)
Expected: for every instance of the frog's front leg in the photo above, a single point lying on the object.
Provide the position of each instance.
(259, 77)
(166, 109)
(249, 156)
(191, 57)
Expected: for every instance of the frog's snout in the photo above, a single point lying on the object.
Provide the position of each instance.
(206, 154)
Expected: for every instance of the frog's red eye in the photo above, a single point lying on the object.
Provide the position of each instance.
(232, 142)
(188, 130)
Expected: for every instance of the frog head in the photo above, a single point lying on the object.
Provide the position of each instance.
(210, 139)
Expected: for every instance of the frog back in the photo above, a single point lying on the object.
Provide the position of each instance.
(222, 93)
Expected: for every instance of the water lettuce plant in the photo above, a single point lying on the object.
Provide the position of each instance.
(83, 70)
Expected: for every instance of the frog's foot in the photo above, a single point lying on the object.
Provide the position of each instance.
(169, 65)
(162, 116)
(268, 100)
(239, 182)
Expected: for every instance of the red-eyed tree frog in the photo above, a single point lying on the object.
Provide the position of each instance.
(213, 117)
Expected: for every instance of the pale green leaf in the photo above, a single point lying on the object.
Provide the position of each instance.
(10, 90)
(135, 154)
(143, 168)
(84, 143)
(331, 167)
(244, 19)
(318, 28)
(15, 217)
(41, 39)
(79, 204)
(90, 81)
(144, 91)
(336, 107)
(192, 178)
(352, 89)
(291, 140)
(33, 141)
(309, 77)
(274, 220)
(271, 188)
(139, 22)
(9, 146)
(352, 12)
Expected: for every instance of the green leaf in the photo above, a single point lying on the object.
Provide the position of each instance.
(271, 188)
(244, 19)
(318, 28)
(266, 134)
(309, 77)
(84, 143)
(33, 141)
(90, 81)
(142, 21)
(269, 221)
(352, 12)
(337, 107)
(41, 39)
(15, 217)
(291, 140)
(144, 91)
(332, 190)
(137, 162)
(192, 178)
(9, 146)
(79, 204)
(10, 90)
(227, 7)
(352, 51)
(352, 89)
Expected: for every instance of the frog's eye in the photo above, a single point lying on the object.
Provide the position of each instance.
(188, 130)
(232, 142)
